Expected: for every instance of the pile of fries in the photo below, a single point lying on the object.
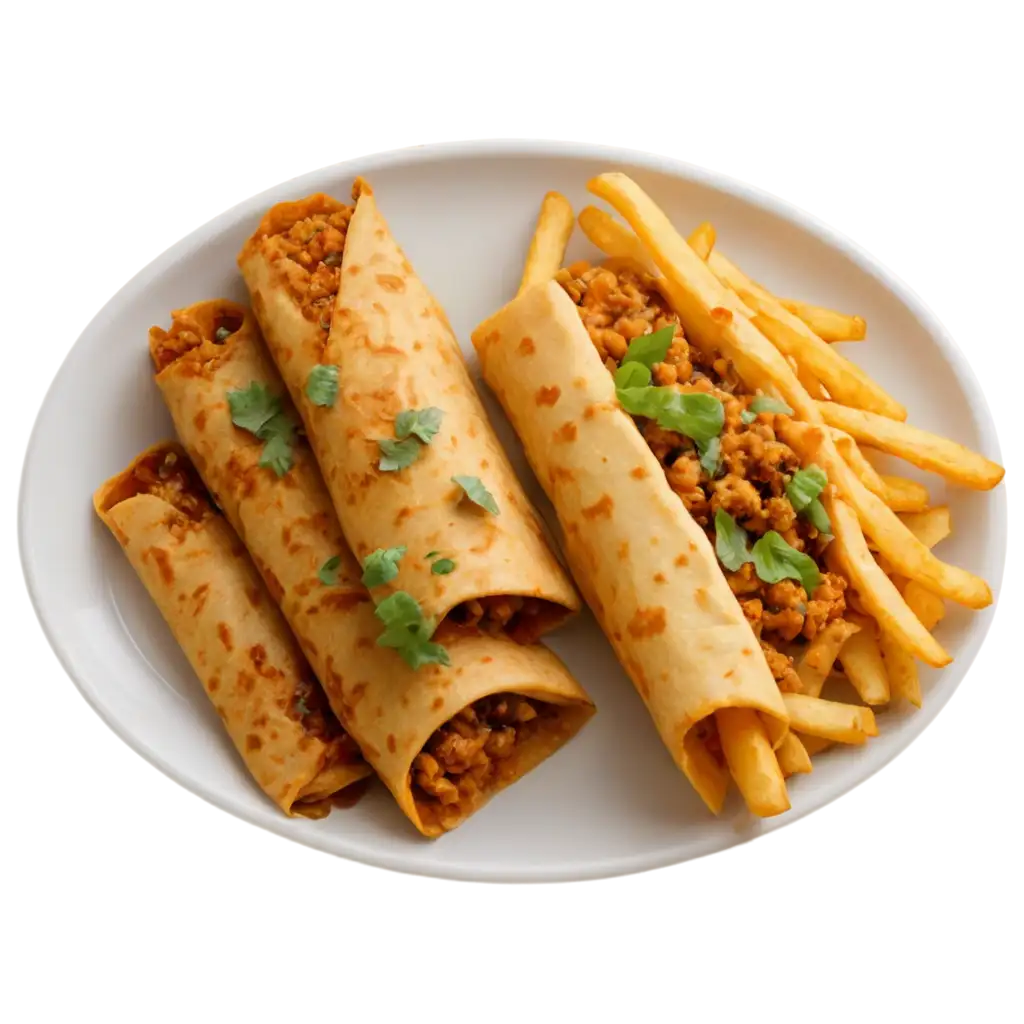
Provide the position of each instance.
(884, 526)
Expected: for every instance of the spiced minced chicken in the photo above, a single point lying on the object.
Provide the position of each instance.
(619, 302)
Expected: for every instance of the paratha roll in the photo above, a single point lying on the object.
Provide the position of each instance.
(443, 738)
(405, 446)
(645, 567)
(212, 597)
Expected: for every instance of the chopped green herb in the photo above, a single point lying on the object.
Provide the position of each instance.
(333, 259)
(774, 560)
(818, 517)
(632, 375)
(694, 414)
(432, 554)
(710, 455)
(398, 454)
(765, 403)
(222, 334)
(259, 411)
(442, 567)
(731, 544)
(649, 349)
(805, 486)
(644, 401)
(477, 493)
(748, 417)
(328, 572)
(408, 631)
(301, 706)
(381, 566)
(322, 385)
(421, 423)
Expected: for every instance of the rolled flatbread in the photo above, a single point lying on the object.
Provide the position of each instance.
(331, 288)
(645, 567)
(198, 574)
(443, 739)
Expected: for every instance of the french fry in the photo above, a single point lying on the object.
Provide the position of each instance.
(928, 607)
(752, 761)
(901, 668)
(827, 324)
(845, 381)
(792, 756)
(614, 239)
(927, 451)
(814, 744)
(843, 723)
(856, 460)
(715, 320)
(861, 658)
(929, 526)
(906, 554)
(550, 238)
(903, 495)
(875, 591)
(702, 241)
(821, 653)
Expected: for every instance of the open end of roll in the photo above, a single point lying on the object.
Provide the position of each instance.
(164, 471)
(197, 334)
(523, 619)
(482, 749)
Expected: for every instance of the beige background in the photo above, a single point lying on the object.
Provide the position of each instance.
(119, 900)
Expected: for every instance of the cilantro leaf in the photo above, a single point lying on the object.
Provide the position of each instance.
(710, 455)
(259, 411)
(765, 403)
(694, 414)
(381, 566)
(748, 417)
(421, 423)
(643, 401)
(649, 349)
(328, 572)
(442, 567)
(322, 385)
(398, 454)
(730, 541)
(818, 517)
(632, 375)
(805, 486)
(774, 560)
(222, 334)
(477, 493)
(252, 408)
(408, 631)
(277, 452)
(432, 554)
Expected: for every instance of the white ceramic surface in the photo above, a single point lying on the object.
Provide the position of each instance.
(612, 801)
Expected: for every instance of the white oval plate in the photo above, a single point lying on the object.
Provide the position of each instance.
(611, 802)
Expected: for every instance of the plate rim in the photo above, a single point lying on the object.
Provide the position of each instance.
(534, 149)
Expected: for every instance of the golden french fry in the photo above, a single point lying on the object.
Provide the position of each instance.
(903, 551)
(814, 744)
(843, 723)
(716, 320)
(901, 668)
(875, 591)
(550, 238)
(846, 381)
(858, 462)
(614, 239)
(821, 653)
(702, 241)
(928, 607)
(792, 756)
(826, 323)
(752, 761)
(929, 526)
(918, 447)
(862, 662)
(903, 495)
